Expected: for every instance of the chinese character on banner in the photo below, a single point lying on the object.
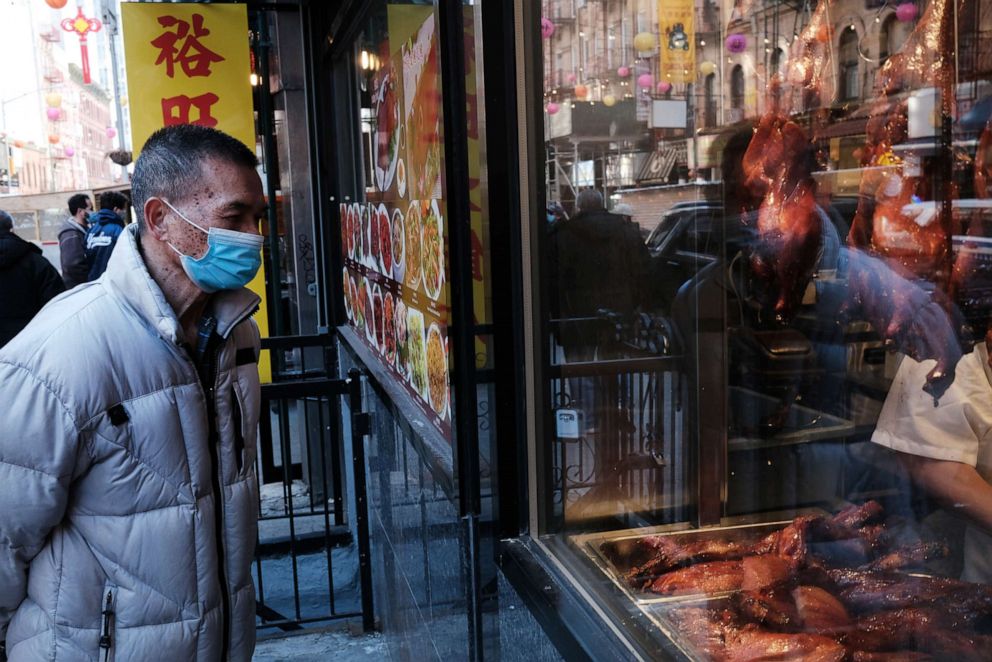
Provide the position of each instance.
(191, 55)
(176, 110)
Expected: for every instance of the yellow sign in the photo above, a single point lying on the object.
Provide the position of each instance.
(190, 63)
(676, 25)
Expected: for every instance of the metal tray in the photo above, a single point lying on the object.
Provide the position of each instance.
(802, 424)
(592, 545)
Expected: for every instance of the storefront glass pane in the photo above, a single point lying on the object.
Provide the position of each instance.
(766, 374)
(394, 238)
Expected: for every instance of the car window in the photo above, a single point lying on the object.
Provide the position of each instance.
(697, 235)
(661, 232)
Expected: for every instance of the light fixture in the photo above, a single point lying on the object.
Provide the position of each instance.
(767, 40)
(364, 60)
(254, 79)
(581, 33)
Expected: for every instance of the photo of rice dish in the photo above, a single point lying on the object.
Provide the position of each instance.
(399, 241)
(432, 251)
(402, 346)
(412, 238)
(417, 352)
(385, 242)
(437, 371)
(388, 329)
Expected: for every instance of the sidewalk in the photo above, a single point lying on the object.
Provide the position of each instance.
(328, 644)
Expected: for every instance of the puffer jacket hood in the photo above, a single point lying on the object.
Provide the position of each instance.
(106, 216)
(13, 248)
(127, 515)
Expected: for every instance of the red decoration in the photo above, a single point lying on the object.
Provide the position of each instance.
(54, 139)
(56, 4)
(82, 26)
(906, 12)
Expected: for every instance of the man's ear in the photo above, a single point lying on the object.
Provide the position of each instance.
(155, 213)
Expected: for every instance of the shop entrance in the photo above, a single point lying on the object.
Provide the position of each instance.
(312, 555)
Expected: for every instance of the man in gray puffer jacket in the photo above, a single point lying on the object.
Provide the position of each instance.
(127, 488)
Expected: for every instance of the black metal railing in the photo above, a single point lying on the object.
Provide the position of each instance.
(619, 441)
(311, 562)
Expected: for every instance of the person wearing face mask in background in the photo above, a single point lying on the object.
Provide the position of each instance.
(72, 241)
(128, 492)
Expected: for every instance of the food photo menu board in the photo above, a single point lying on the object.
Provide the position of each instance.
(394, 244)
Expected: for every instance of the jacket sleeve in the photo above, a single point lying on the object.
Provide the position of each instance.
(74, 265)
(39, 443)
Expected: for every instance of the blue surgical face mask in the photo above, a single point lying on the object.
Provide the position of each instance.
(231, 261)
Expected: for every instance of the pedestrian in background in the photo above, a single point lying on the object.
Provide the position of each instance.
(27, 281)
(72, 241)
(105, 227)
(128, 494)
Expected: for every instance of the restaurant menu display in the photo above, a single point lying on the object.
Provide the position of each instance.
(394, 244)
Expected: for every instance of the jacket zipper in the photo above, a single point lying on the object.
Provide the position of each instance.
(215, 477)
(106, 633)
(187, 353)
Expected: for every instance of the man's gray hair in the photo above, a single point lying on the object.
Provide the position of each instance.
(171, 162)
(590, 200)
(6, 222)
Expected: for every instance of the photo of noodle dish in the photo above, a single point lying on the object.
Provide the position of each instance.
(385, 104)
(399, 241)
(385, 249)
(437, 371)
(412, 239)
(432, 251)
(417, 352)
(402, 346)
(421, 91)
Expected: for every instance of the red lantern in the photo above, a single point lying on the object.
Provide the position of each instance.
(53, 139)
(56, 4)
(18, 144)
(581, 91)
(82, 26)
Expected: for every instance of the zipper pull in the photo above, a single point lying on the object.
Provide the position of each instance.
(108, 612)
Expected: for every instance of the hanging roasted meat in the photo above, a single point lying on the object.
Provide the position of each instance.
(777, 168)
(897, 220)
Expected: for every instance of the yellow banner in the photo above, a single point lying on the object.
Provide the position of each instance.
(188, 64)
(676, 23)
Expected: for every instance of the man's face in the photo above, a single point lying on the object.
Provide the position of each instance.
(226, 196)
(83, 212)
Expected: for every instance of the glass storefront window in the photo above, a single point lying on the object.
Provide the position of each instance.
(394, 237)
(766, 366)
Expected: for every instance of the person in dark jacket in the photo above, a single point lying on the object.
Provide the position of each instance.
(72, 241)
(598, 263)
(27, 281)
(105, 227)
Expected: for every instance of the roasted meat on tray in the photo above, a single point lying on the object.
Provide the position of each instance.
(819, 588)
